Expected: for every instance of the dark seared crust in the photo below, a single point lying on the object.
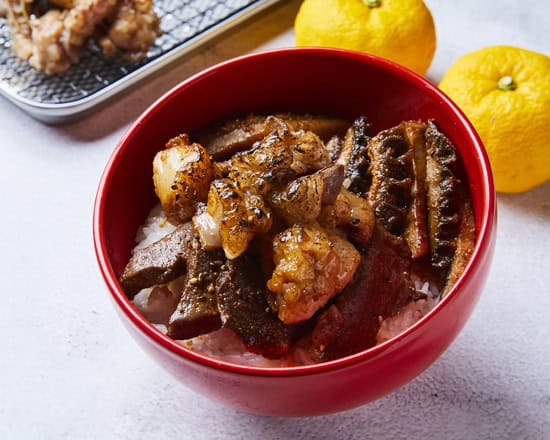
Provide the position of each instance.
(244, 309)
(158, 263)
(334, 147)
(416, 232)
(302, 198)
(358, 179)
(392, 178)
(235, 135)
(240, 134)
(398, 190)
(445, 198)
(464, 246)
(197, 311)
(381, 287)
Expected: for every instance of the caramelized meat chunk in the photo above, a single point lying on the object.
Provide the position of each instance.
(302, 199)
(238, 213)
(351, 213)
(311, 266)
(158, 263)
(280, 157)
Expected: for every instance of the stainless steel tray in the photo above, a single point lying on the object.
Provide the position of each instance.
(186, 24)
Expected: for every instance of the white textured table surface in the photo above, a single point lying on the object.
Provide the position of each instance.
(69, 370)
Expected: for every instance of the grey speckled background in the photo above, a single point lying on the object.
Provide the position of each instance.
(70, 371)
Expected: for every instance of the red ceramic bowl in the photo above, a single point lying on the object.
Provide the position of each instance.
(299, 80)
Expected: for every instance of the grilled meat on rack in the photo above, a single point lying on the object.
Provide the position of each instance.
(53, 40)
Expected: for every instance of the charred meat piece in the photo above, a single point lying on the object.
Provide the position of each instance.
(449, 214)
(158, 263)
(416, 231)
(311, 266)
(280, 157)
(354, 156)
(197, 311)
(236, 206)
(334, 147)
(392, 178)
(181, 173)
(464, 246)
(324, 126)
(244, 309)
(241, 133)
(398, 191)
(351, 213)
(381, 286)
(301, 200)
(238, 214)
(236, 135)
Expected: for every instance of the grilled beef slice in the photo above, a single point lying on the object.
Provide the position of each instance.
(158, 263)
(244, 309)
(197, 311)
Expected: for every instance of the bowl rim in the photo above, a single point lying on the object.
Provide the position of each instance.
(483, 236)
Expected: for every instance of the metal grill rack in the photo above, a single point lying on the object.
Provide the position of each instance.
(54, 98)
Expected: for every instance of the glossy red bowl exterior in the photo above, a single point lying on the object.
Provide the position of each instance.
(300, 80)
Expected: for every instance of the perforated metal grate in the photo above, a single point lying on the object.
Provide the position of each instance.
(181, 21)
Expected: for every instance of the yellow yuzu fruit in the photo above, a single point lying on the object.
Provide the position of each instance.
(505, 92)
(400, 30)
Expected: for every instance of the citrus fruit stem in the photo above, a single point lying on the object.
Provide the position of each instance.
(506, 83)
(372, 3)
